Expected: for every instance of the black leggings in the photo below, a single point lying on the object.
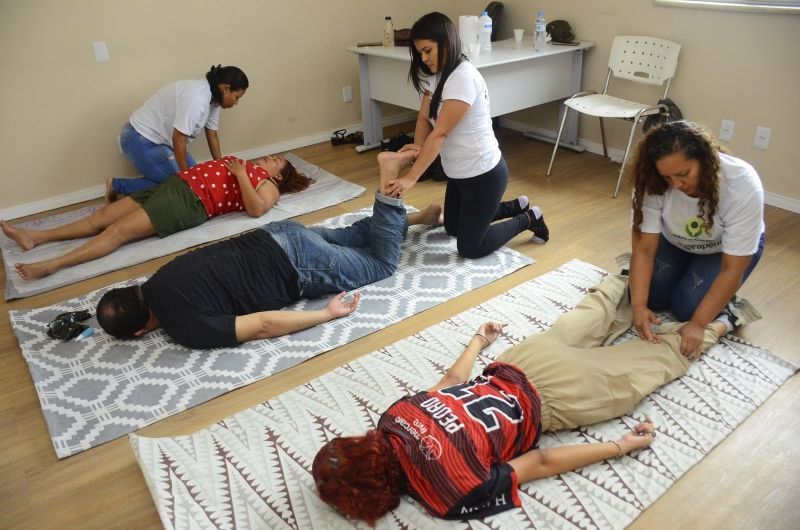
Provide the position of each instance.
(471, 204)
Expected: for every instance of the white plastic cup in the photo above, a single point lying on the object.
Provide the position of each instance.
(518, 33)
(473, 50)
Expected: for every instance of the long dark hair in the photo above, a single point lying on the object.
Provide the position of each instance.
(440, 29)
(228, 75)
(695, 143)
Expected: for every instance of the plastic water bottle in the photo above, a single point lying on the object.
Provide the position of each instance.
(388, 33)
(485, 32)
(539, 32)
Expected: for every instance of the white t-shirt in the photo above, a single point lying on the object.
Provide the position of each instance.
(183, 105)
(738, 222)
(471, 148)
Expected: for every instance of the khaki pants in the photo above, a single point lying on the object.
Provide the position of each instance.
(581, 379)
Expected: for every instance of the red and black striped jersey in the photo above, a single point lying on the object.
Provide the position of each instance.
(453, 444)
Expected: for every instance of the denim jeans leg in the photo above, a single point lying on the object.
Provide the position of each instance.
(668, 267)
(324, 267)
(696, 281)
(154, 161)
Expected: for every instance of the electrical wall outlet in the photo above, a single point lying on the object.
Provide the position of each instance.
(726, 130)
(347, 94)
(761, 140)
(100, 52)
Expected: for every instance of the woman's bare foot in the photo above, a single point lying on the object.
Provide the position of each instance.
(111, 195)
(21, 236)
(36, 270)
(432, 216)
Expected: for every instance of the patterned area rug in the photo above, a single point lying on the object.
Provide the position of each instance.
(101, 388)
(326, 191)
(252, 470)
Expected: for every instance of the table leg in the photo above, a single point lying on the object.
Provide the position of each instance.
(569, 137)
(370, 109)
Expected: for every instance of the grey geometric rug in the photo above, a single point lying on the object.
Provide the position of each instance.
(252, 470)
(326, 191)
(102, 388)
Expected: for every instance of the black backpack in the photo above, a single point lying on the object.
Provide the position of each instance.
(494, 10)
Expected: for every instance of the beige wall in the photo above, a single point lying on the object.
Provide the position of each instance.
(64, 111)
(732, 65)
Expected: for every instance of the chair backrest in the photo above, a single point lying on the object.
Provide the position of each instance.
(648, 60)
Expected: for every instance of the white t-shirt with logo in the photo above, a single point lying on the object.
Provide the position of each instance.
(738, 221)
(182, 105)
(471, 148)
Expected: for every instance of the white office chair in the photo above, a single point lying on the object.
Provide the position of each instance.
(647, 60)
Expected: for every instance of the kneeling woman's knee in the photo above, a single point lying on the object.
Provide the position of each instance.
(469, 249)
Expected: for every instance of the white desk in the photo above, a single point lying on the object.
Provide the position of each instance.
(517, 79)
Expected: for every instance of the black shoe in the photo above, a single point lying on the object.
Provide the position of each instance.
(396, 142)
(512, 208)
(541, 234)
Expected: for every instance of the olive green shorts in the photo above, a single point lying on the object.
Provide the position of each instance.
(172, 206)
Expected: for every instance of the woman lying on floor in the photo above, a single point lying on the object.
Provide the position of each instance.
(462, 447)
(183, 201)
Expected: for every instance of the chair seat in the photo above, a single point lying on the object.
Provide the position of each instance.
(605, 106)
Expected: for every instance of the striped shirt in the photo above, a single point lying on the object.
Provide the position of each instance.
(454, 444)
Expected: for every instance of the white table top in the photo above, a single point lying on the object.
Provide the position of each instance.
(502, 52)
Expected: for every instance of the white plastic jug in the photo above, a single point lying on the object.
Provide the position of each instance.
(467, 31)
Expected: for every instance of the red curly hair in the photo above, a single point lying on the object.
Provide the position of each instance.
(360, 476)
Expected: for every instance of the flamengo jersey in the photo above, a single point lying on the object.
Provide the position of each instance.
(453, 444)
(217, 188)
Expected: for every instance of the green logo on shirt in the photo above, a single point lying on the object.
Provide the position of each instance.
(694, 226)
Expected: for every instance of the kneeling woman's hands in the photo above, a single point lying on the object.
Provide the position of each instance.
(640, 436)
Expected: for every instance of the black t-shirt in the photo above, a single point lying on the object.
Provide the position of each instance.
(197, 297)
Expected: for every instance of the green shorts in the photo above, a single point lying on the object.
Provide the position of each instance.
(172, 206)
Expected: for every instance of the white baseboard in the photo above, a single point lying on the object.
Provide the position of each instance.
(98, 191)
(773, 199)
(782, 202)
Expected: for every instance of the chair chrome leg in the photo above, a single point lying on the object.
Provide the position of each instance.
(603, 136)
(625, 158)
(558, 140)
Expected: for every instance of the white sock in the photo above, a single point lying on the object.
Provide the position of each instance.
(523, 202)
(537, 212)
(725, 319)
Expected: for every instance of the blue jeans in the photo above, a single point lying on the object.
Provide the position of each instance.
(156, 162)
(332, 260)
(681, 279)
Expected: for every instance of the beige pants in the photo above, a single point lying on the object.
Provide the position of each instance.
(580, 378)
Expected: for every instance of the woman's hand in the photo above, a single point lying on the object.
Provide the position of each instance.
(642, 318)
(339, 307)
(640, 436)
(490, 331)
(410, 147)
(236, 167)
(398, 187)
(691, 340)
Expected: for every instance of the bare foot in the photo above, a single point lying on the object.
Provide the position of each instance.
(34, 271)
(19, 235)
(111, 195)
(391, 164)
(432, 216)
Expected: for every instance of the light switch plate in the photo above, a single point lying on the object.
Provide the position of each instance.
(100, 51)
(761, 140)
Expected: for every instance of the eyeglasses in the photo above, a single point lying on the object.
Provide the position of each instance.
(67, 326)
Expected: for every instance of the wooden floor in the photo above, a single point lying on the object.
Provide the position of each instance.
(751, 480)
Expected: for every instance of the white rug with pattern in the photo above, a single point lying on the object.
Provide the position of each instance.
(326, 191)
(252, 470)
(102, 388)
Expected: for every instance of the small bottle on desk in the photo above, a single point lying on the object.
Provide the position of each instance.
(388, 33)
(539, 32)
